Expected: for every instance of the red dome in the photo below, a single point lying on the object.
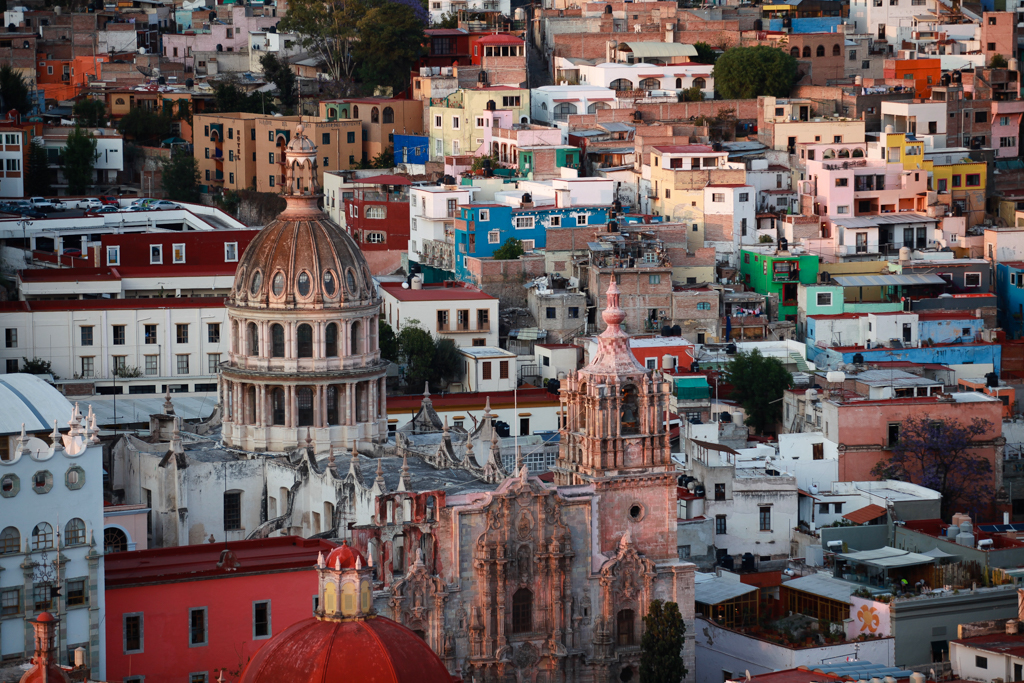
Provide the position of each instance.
(347, 554)
(374, 650)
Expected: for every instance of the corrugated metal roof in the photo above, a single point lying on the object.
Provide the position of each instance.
(888, 557)
(824, 585)
(711, 590)
(865, 514)
(654, 49)
(888, 280)
(615, 127)
(883, 219)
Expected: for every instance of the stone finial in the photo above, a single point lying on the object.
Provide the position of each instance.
(168, 404)
(426, 390)
(22, 443)
(58, 442)
(94, 430)
(76, 420)
(359, 562)
(320, 560)
(405, 479)
(353, 465)
(381, 484)
(309, 438)
(337, 564)
(626, 540)
(470, 459)
(487, 407)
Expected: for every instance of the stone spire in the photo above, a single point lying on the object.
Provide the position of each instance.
(405, 479)
(353, 465)
(613, 356)
(168, 404)
(21, 446)
(379, 481)
(57, 442)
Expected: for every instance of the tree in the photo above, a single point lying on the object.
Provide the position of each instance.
(661, 648)
(228, 97)
(37, 172)
(180, 177)
(281, 75)
(387, 341)
(385, 159)
(705, 54)
(448, 363)
(758, 383)
(511, 250)
(14, 92)
(36, 366)
(145, 127)
(417, 347)
(744, 73)
(390, 38)
(939, 454)
(327, 29)
(694, 94)
(183, 111)
(998, 61)
(78, 160)
(448, 20)
(90, 112)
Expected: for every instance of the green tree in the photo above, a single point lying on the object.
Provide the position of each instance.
(281, 75)
(694, 94)
(390, 38)
(183, 111)
(37, 172)
(385, 159)
(228, 97)
(90, 112)
(418, 348)
(661, 648)
(327, 29)
(448, 20)
(145, 127)
(448, 363)
(511, 250)
(744, 73)
(998, 61)
(180, 177)
(78, 160)
(36, 366)
(387, 341)
(14, 92)
(705, 54)
(758, 383)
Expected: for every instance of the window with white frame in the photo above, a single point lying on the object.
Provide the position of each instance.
(744, 197)
(494, 237)
(438, 122)
(156, 254)
(972, 279)
(376, 237)
(484, 215)
(480, 122)
(113, 256)
(824, 298)
(230, 252)
(581, 219)
(843, 209)
(528, 245)
(555, 221)
(718, 197)
(524, 222)
(376, 212)
(455, 122)
(178, 252)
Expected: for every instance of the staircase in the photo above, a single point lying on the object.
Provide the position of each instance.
(801, 364)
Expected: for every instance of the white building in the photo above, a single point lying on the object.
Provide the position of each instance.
(892, 21)
(663, 79)
(452, 309)
(432, 223)
(990, 657)
(489, 369)
(12, 150)
(735, 206)
(51, 501)
(284, 45)
(438, 8)
(556, 103)
(109, 153)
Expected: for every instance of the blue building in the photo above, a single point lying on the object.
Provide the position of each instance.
(978, 353)
(411, 149)
(482, 228)
(1010, 298)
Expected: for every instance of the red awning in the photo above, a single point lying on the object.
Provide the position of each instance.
(865, 514)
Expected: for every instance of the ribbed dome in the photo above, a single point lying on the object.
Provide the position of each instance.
(345, 556)
(302, 260)
(373, 650)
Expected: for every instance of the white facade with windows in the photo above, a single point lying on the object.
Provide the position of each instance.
(438, 8)
(463, 312)
(889, 20)
(51, 497)
(556, 103)
(666, 78)
(12, 161)
(432, 213)
(735, 207)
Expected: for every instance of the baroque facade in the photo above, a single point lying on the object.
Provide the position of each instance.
(539, 582)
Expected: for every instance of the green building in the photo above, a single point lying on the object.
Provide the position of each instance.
(531, 158)
(780, 274)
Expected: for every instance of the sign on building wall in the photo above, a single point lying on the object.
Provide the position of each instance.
(868, 617)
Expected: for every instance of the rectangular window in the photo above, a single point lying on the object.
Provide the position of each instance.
(980, 662)
(894, 433)
(120, 363)
(824, 298)
(484, 215)
(438, 122)
(494, 237)
(842, 182)
(10, 602)
(156, 254)
(972, 279)
(181, 333)
(718, 197)
(230, 252)
(973, 179)
(213, 333)
(551, 313)
(134, 637)
(524, 222)
(182, 363)
(720, 527)
(654, 279)
(581, 219)
(113, 256)
(513, 101)
(11, 337)
(956, 181)
(199, 677)
(150, 333)
(87, 366)
(118, 335)
(86, 335)
(765, 518)
(76, 593)
(261, 619)
(719, 491)
(555, 221)
(503, 369)
(818, 451)
(485, 370)
(178, 251)
(232, 510)
(197, 627)
(744, 196)
(213, 363)
(151, 365)
(455, 122)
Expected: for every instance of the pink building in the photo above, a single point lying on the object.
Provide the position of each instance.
(1006, 120)
(216, 37)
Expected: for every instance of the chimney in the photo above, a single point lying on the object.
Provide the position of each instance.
(670, 33)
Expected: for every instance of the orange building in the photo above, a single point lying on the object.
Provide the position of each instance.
(924, 72)
(62, 79)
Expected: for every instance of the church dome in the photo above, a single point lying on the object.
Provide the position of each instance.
(370, 650)
(345, 557)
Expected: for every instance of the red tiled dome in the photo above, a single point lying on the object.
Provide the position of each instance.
(373, 650)
(347, 554)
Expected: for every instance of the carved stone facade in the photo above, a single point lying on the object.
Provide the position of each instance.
(531, 582)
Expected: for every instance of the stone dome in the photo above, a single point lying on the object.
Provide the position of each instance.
(298, 261)
(372, 650)
(345, 557)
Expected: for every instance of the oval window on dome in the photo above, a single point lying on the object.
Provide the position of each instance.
(257, 282)
(329, 283)
(350, 280)
(278, 284)
(303, 283)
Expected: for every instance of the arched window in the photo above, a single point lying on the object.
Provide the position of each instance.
(332, 405)
(362, 399)
(650, 84)
(858, 153)
(114, 540)
(357, 338)
(821, 51)
(277, 405)
(836, 51)
(564, 110)
(807, 50)
(398, 553)
(621, 84)
(331, 340)
(624, 627)
(304, 337)
(250, 406)
(522, 611)
(844, 154)
(597, 106)
(74, 532)
(375, 115)
(304, 398)
(42, 536)
(350, 280)
(679, 83)
(629, 414)
(389, 115)
(277, 340)
(355, 111)
(253, 338)
(376, 212)
(10, 541)
(700, 83)
(795, 52)
(234, 336)
(829, 154)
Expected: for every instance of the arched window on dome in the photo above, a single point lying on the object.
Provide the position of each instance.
(389, 115)
(253, 339)
(522, 611)
(330, 605)
(304, 399)
(375, 115)
(629, 414)
(277, 405)
(372, 346)
(357, 338)
(332, 404)
(277, 340)
(331, 340)
(304, 337)
(250, 405)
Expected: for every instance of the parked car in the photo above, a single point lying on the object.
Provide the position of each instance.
(23, 208)
(88, 203)
(138, 207)
(106, 209)
(42, 204)
(110, 201)
(163, 205)
(72, 252)
(143, 201)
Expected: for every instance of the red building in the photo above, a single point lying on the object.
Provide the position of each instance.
(185, 613)
(377, 212)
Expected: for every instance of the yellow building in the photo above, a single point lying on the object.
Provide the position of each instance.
(784, 123)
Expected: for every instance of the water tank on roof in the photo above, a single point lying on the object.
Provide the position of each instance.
(666, 331)
(783, 244)
(991, 379)
(904, 253)
(668, 362)
(491, 106)
(527, 198)
(213, 17)
(189, 83)
(677, 331)
(858, 359)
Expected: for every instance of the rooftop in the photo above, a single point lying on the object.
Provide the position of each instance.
(711, 589)
(28, 400)
(446, 291)
(998, 643)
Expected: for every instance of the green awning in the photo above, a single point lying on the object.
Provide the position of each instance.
(692, 388)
